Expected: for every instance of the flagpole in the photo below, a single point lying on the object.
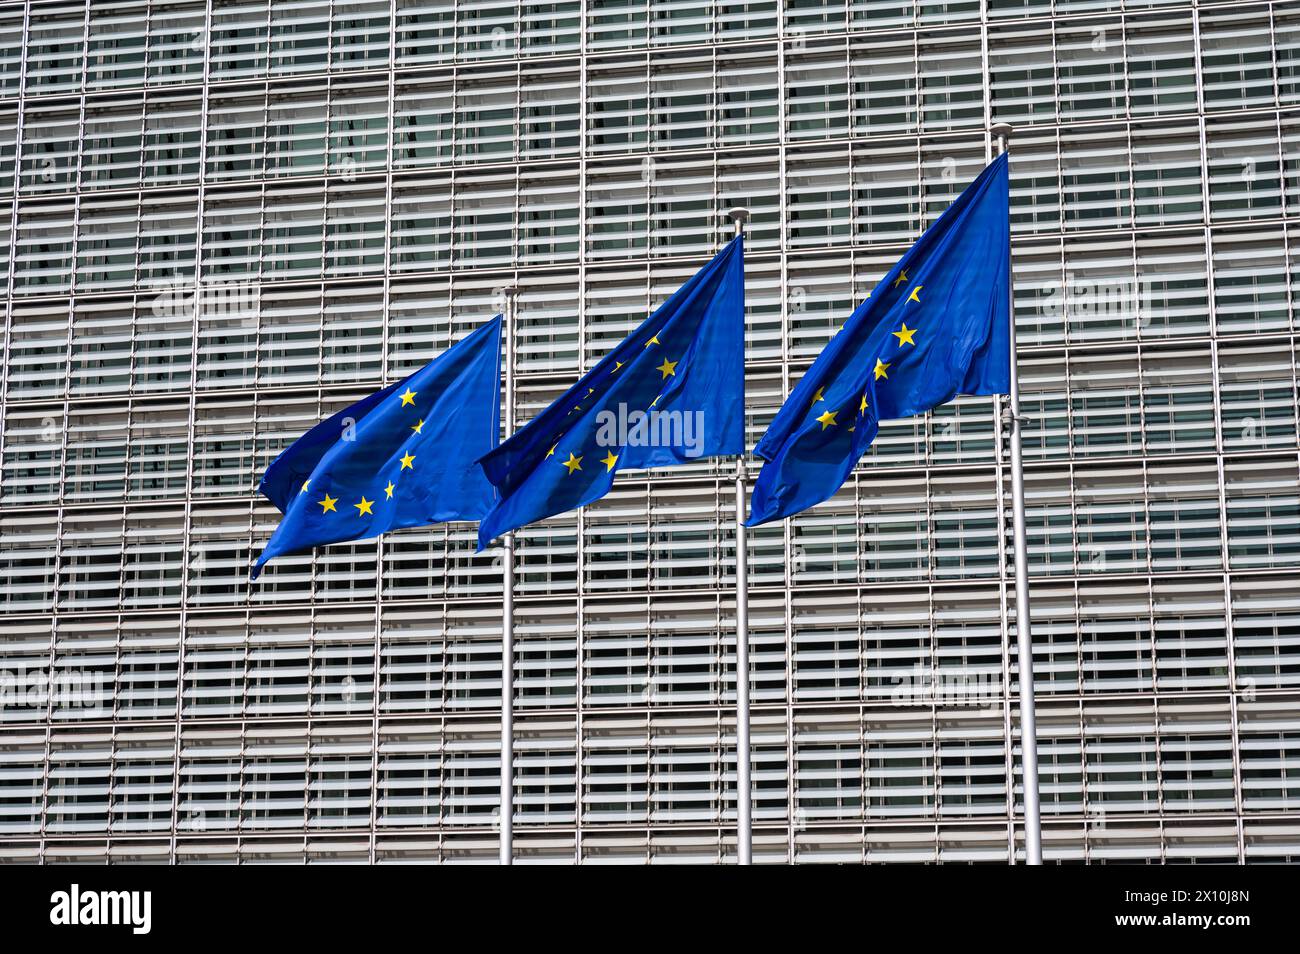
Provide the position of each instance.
(744, 817)
(507, 818)
(1024, 640)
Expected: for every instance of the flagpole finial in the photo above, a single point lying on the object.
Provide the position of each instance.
(1002, 133)
(505, 299)
(739, 215)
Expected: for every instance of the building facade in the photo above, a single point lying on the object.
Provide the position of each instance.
(223, 221)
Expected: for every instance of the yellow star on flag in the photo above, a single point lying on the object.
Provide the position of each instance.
(881, 368)
(902, 277)
(418, 427)
(609, 460)
(408, 397)
(573, 463)
(904, 336)
(668, 367)
(328, 503)
(363, 508)
(617, 365)
(408, 460)
(827, 419)
(863, 406)
(389, 490)
(552, 450)
(305, 484)
(819, 396)
(914, 297)
(654, 340)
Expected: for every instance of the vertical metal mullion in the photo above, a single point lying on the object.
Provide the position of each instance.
(1155, 709)
(186, 533)
(4, 386)
(72, 324)
(327, 91)
(49, 748)
(1287, 230)
(131, 402)
(377, 678)
(1216, 378)
(63, 438)
(580, 640)
(787, 532)
(307, 733)
(73, 287)
(4, 378)
(986, 78)
(19, 133)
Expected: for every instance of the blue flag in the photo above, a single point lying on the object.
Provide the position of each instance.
(671, 392)
(405, 456)
(935, 327)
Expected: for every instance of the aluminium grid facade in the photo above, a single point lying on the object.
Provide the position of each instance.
(226, 220)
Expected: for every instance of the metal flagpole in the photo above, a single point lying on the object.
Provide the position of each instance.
(744, 818)
(1024, 641)
(508, 609)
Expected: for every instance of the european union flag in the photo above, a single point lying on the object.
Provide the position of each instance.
(405, 456)
(671, 392)
(935, 327)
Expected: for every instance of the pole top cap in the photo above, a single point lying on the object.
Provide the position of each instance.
(739, 215)
(1001, 130)
(509, 288)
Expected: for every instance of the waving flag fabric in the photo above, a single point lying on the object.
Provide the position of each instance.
(935, 327)
(673, 391)
(405, 456)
